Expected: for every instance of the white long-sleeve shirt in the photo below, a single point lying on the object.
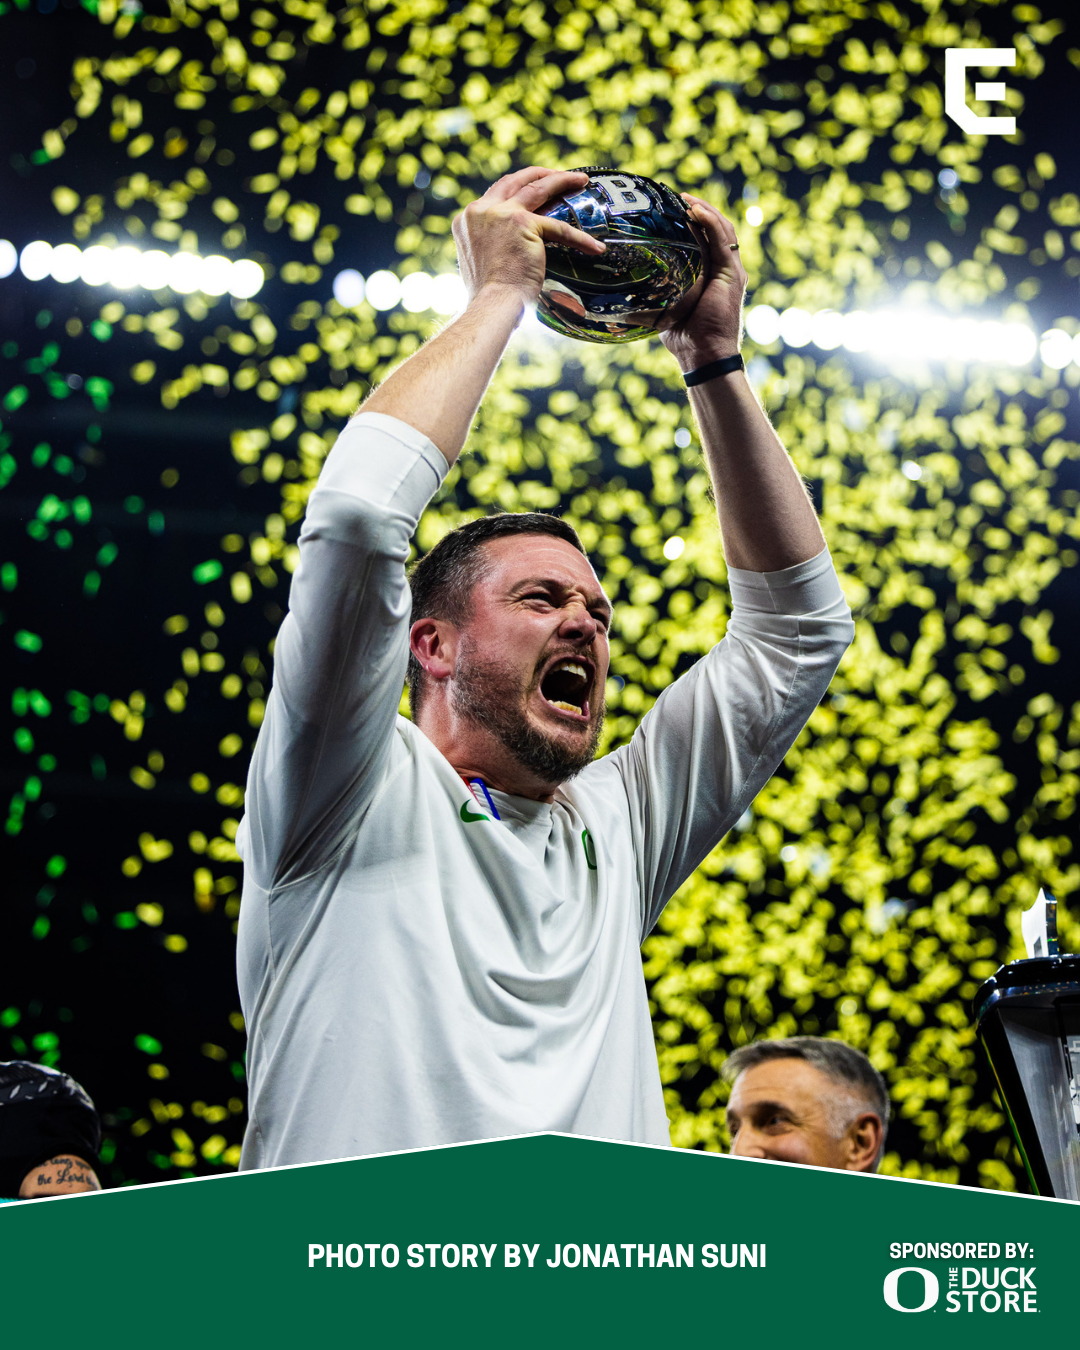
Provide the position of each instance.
(415, 972)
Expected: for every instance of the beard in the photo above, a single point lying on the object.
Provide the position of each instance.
(494, 696)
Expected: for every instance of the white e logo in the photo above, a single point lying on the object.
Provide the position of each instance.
(957, 60)
(930, 1288)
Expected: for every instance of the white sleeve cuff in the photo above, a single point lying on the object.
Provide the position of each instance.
(805, 588)
(383, 460)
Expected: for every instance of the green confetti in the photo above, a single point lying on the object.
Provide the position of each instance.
(207, 571)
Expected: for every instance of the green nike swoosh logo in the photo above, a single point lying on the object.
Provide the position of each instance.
(469, 816)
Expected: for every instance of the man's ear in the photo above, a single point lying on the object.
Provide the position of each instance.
(864, 1138)
(434, 643)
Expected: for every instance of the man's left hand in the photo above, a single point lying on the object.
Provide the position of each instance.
(709, 325)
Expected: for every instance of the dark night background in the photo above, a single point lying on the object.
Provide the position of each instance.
(94, 988)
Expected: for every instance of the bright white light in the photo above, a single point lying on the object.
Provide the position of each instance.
(1056, 349)
(185, 272)
(1020, 344)
(965, 341)
(994, 339)
(349, 288)
(856, 331)
(682, 438)
(763, 324)
(246, 279)
(153, 269)
(416, 292)
(383, 290)
(900, 335)
(65, 263)
(36, 260)
(674, 548)
(911, 470)
(215, 275)
(903, 335)
(827, 329)
(124, 267)
(795, 327)
(448, 294)
(529, 325)
(95, 265)
(754, 215)
(1008, 343)
(789, 853)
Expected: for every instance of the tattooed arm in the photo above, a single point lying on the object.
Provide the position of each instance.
(65, 1174)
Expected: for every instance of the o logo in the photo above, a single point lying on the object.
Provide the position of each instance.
(930, 1288)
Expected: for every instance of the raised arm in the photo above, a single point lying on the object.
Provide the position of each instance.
(341, 654)
(766, 519)
(501, 254)
(716, 736)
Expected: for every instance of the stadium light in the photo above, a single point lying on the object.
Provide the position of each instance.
(448, 293)
(35, 259)
(153, 269)
(95, 264)
(899, 334)
(349, 288)
(1056, 349)
(246, 279)
(418, 292)
(904, 336)
(383, 290)
(65, 263)
(125, 267)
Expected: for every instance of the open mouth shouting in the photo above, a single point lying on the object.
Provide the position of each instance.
(566, 685)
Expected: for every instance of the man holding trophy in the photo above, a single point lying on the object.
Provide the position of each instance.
(441, 922)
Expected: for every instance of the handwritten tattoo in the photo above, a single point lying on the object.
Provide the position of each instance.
(70, 1172)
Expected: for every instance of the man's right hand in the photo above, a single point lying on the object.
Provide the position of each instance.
(500, 244)
(500, 240)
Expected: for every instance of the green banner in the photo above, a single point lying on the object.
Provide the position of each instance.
(545, 1241)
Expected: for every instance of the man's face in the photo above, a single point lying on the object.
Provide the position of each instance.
(532, 659)
(780, 1110)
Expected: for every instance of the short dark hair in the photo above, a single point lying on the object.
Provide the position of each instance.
(836, 1059)
(443, 579)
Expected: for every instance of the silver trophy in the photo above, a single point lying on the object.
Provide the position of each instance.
(654, 258)
(1028, 1018)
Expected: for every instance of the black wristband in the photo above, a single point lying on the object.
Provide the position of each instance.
(710, 372)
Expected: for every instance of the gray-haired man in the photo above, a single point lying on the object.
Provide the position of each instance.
(807, 1100)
